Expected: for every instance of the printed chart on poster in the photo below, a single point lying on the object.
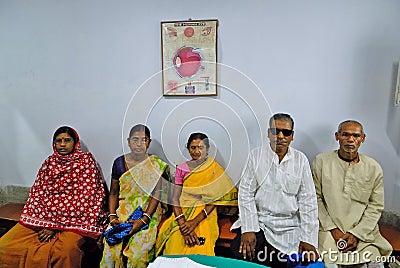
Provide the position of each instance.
(189, 57)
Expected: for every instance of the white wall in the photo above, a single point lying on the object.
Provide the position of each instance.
(80, 63)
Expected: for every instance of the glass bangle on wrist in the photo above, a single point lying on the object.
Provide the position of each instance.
(179, 216)
(205, 212)
(147, 215)
(143, 221)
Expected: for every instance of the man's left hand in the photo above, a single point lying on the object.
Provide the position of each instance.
(309, 252)
(352, 242)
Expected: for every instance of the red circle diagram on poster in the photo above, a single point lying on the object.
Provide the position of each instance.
(187, 61)
(188, 32)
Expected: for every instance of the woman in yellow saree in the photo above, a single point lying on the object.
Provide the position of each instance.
(136, 182)
(200, 185)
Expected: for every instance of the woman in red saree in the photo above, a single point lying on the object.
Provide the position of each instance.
(65, 205)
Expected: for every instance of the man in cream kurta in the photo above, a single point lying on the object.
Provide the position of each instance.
(278, 209)
(349, 188)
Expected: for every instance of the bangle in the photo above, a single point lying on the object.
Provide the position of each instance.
(147, 215)
(205, 212)
(113, 220)
(112, 214)
(179, 216)
(143, 221)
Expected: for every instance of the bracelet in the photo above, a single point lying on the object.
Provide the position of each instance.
(179, 216)
(205, 212)
(113, 220)
(147, 215)
(112, 214)
(143, 221)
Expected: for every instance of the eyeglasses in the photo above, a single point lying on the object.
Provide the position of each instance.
(137, 140)
(285, 132)
(66, 140)
(348, 135)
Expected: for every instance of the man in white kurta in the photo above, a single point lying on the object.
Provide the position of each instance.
(349, 188)
(277, 201)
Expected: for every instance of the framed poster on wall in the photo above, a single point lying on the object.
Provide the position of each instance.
(189, 57)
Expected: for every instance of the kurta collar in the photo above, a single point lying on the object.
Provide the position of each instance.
(360, 159)
(275, 157)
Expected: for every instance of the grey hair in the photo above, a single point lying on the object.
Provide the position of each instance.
(339, 129)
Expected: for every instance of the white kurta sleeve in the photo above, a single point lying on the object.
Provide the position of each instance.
(246, 200)
(308, 207)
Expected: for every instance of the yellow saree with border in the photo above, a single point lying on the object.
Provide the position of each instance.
(206, 184)
(136, 186)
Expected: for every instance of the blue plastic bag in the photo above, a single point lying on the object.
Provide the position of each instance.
(116, 234)
(294, 261)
